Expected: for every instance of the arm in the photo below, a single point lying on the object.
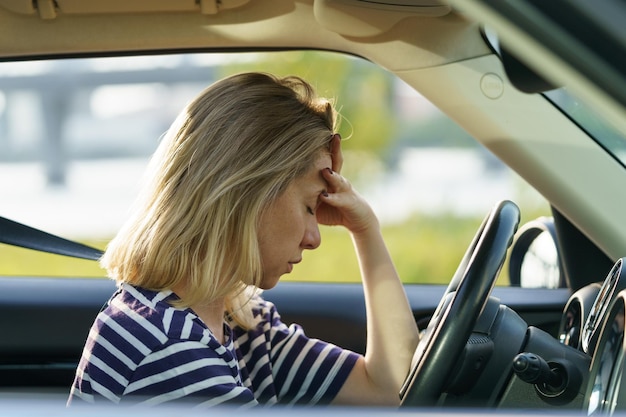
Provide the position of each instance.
(392, 333)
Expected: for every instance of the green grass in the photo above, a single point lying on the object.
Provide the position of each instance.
(424, 249)
(16, 261)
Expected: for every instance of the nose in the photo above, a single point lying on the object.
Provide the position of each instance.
(312, 238)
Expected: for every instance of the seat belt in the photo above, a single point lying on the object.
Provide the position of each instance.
(17, 234)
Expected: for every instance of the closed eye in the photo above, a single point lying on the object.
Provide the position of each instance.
(312, 209)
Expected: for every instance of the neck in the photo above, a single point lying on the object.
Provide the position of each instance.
(211, 314)
(213, 317)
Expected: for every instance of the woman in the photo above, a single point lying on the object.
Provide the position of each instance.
(235, 194)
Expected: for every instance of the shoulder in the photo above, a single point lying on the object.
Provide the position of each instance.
(136, 323)
(265, 317)
(131, 313)
(141, 346)
(126, 331)
(123, 334)
(261, 308)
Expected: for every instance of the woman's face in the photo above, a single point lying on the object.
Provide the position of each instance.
(289, 225)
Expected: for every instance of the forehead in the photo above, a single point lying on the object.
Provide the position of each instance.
(313, 179)
(322, 161)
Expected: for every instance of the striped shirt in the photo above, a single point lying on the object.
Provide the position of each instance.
(142, 349)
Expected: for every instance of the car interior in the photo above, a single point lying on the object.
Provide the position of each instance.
(545, 100)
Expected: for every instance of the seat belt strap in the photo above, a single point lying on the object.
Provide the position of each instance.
(17, 234)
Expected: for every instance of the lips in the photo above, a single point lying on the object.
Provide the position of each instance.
(291, 264)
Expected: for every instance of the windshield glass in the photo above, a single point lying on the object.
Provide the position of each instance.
(78, 134)
(595, 124)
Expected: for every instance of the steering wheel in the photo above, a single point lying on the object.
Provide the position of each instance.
(455, 317)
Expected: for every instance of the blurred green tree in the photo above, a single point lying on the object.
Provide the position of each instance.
(362, 93)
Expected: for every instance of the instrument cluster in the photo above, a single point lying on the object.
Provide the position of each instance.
(593, 322)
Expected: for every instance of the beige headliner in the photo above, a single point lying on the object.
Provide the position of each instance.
(413, 42)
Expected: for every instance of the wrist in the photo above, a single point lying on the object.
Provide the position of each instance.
(367, 230)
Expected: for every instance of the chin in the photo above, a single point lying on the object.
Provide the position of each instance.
(268, 284)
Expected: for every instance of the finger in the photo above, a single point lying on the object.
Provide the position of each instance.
(335, 152)
(336, 182)
(331, 202)
(331, 178)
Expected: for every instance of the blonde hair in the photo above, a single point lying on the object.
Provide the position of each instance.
(227, 156)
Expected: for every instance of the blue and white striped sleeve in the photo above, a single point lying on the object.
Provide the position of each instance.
(306, 371)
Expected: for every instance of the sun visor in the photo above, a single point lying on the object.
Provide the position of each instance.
(49, 9)
(367, 18)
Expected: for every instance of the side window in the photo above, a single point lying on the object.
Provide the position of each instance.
(78, 135)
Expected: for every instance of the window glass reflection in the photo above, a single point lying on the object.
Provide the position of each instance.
(540, 267)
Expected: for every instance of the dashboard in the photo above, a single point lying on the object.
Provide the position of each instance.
(593, 322)
(587, 371)
(607, 366)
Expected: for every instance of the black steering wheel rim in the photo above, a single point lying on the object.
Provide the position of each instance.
(454, 319)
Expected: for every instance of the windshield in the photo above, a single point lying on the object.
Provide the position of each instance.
(78, 134)
(595, 124)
